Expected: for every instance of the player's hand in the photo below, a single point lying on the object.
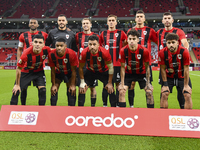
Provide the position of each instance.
(72, 90)
(164, 88)
(187, 89)
(148, 87)
(109, 87)
(15, 89)
(54, 90)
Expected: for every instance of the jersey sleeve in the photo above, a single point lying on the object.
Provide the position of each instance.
(161, 60)
(181, 34)
(74, 46)
(22, 60)
(49, 40)
(146, 55)
(101, 41)
(73, 59)
(21, 40)
(82, 58)
(106, 56)
(45, 36)
(50, 61)
(153, 35)
(76, 37)
(124, 36)
(121, 56)
(186, 57)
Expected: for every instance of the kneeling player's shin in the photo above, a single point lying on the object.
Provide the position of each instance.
(42, 96)
(81, 99)
(54, 99)
(71, 98)
(14, 99)
(150, 99)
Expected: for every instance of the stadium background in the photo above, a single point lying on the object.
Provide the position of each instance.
(14, 17)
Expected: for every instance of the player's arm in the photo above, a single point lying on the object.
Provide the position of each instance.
(186, 79)
(164, 78)
(49, 40)
(148, 85)
(72, 87)
(54, 89)
(17, 84)
(185, 43)
(109, 86)
(19, 52)
(82, 84)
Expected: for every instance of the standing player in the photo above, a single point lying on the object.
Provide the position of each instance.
(63, 62)
(147, 35)
(174, 67)
(30, 68)
(82, 43)
(134, 60)
(161, 34)
(25, 41)
(63, 32)
(99, 66)
(113, 40)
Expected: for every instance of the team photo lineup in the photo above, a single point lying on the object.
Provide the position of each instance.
(116, 59)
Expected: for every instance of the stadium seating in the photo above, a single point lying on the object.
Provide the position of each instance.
(7, 54)
(193, 7)
(197, 33)
(10, 35)
(6, 5)
(196, 51)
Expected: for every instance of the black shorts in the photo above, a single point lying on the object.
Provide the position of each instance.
(116, 74)
(78, 78)
(90, 77)
(38, 79)
(63, 77)
(141, 78)
(179, 83)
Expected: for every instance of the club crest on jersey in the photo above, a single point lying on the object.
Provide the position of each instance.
(139, 56)
(179, 56)
(65, 60)
(116, 34)
(43, 56)
(99, 58)
(67, 36)
(144, 32)
(106, 47)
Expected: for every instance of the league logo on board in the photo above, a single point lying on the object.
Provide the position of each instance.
(179, 56)
(139, 56)
(116, 34)
(67, 36)
(65, 60)
(144, 32)
(99, 58)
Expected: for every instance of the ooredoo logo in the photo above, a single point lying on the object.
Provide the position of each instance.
(98, 121)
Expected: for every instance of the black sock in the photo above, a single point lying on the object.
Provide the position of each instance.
(93, 101)
(105, 97)
(112, 99)
(131, 95)
(14, 99)
(23, 96)
(81, 99)
(117, 97)
(71, 98)
(150, 105)
(122, 104)
(54, 99)
(42, 96)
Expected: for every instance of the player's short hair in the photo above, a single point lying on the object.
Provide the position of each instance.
(133, 32)
(60, 39)
(113, 16)
(172, 36)
(93, 38)
(62, 15)
(38, 36)
(140, 12)
(33, 19)
(86, 19)
(167, 14)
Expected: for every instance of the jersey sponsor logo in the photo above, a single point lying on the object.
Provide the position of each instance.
(43, 56)
(116, 34)
(65, 60)
(163, 41)
(106, 47)
(174, 64)
(20, 61)
(110, 41)
(144, 32)
(67, 36)
(139, 56)
(131, 62)
(85, 44)
(99, 58)
(179, 56)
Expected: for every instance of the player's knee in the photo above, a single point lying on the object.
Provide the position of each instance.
(187, 96)
(122, 93)
(93, 92)
(165, 95)
(42, 96)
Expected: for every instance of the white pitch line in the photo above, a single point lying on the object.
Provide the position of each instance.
(195, 74)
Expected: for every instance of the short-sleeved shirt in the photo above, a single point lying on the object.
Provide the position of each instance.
(174, 61)
(63, 64)
(113, 42)
(134, 60)
(31, 62)
(161, 34)
(26, 38)
(95, 62)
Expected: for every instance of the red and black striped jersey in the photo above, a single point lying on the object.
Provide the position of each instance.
(161, 34)
(147, 35)
(27, 38)
(95, 62)
(63, 64)
(113, 41)
(134, 60)
(31, 62)
(174, 62)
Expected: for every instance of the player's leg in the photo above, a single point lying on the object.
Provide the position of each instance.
(117, 80)
(23, 96)
(54, 97)
(104, 97)
(71, 97)
(117, 93)
(150, 104)
(131, 94)
(122, 100)
(93, 93)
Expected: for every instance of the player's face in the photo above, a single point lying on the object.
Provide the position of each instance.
(93, 46)
(62, 22)
(172, 45)
(60, 48)
(140, 19)
(86, 25)
(111, 22)
(38, 44)
(132, 41)
(33, 24)
(167, 20)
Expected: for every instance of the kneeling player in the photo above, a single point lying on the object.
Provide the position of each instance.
(63, 62)
(136, 59)
(99, 66)
(174, 67)
(32, 63)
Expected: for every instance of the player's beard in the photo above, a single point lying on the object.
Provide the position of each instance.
(167, 24)
(62, 27)
(172, 49)
(33, 29)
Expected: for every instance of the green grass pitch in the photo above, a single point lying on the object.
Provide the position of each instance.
(29, 140)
